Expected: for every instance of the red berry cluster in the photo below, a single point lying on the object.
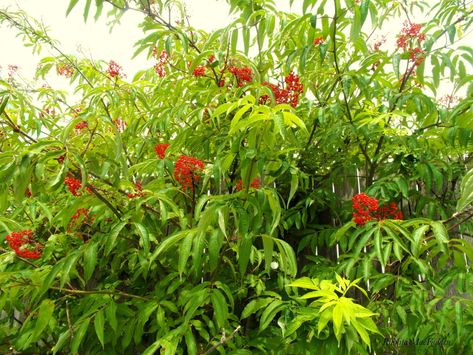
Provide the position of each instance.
(367, 208)
(186, 171)
(65, 70)
(199, 71)
(289, 94)
(160, 67)
(379, 43)
(242, 75)
(319, 40)
(80, 218)
(114, 70)
(74, 185)
(160, 149)
(255, 184)
(411, 39)
(139, 189)
(81, 125)
(24, 245)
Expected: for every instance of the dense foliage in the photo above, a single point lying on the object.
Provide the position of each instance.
(287, 183)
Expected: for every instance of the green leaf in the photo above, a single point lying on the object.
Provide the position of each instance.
(466, 192)
(4, 104)
(61, 341)
(268, 246)
(99, 324)
(305, 282)
(244, 251)
(111, 313)
(254, 306)
(90, 260)
(112, 237)
(356, 25)
(215, 244)
(417, 239)
(220, 308)
(143, 232)
(71, 6)
(79, 335)
(269, 313)
(441, 234)
(294, 185)
(69, 263)
(87, 9)
(325, 317)
(364, 7)
(361, 331)
(191, 344)
(184, 252)
(45, 313)
(378, 246)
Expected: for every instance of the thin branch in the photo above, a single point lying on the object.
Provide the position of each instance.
(99, 292)
(223, 340)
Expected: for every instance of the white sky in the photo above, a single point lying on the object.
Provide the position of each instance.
(94, 38)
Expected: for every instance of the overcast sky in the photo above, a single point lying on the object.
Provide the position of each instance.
(94, 38)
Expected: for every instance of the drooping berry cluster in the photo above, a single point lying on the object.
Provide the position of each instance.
(255, 184)
(378, 43)
(24, 245)
(160, 149)
(160, 67)
(285, 95)
(411, 39)
(187, 170)
(199, 71)
(74, 185)
(139, 191)
(366, 208)
(319, 40)
(65, 70)
(242, 75)
(81, 217)
(81, 125)
(114, 70)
